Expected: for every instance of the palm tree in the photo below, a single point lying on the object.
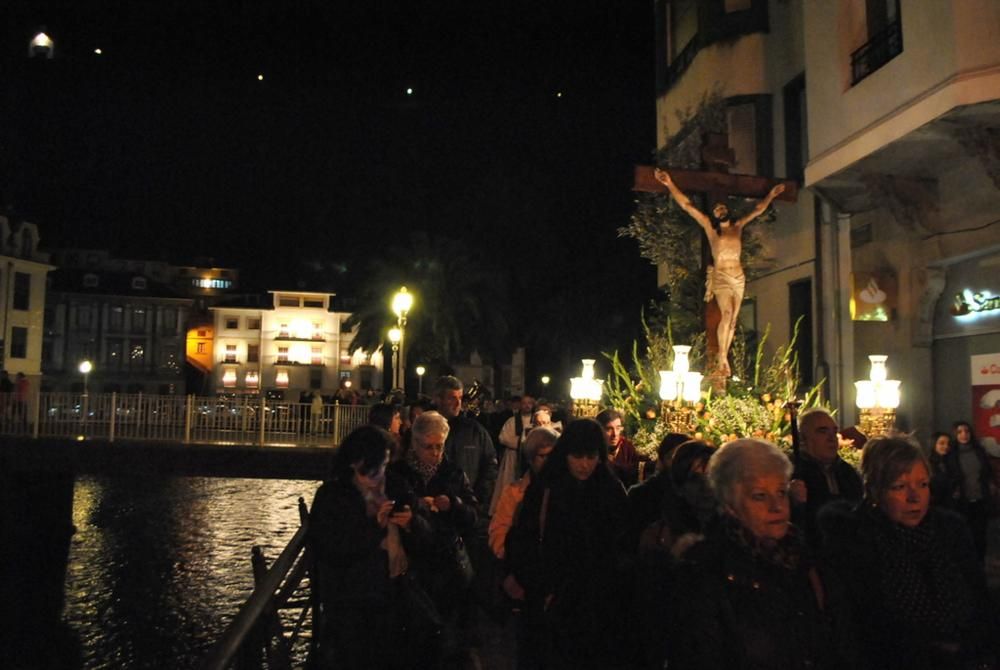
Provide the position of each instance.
(459, 301)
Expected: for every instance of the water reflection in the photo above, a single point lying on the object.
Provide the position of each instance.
(159, 565)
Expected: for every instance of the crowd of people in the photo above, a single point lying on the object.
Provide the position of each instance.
(731, 556)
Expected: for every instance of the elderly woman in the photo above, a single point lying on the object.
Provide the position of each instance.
(444, 501)
(356, 536)
(905, 572)
(747, 596)
(565, 550)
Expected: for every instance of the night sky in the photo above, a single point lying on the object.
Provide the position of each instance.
(168, 145)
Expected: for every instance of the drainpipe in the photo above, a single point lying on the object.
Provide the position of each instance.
(822, 370)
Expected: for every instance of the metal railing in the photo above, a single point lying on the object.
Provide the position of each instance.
(259, 635)
(879, 50)
(199, 419)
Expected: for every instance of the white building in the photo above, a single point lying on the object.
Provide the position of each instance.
(22, 300)
(296, 345)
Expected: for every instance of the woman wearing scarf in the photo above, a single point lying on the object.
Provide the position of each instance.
(747, 596)
(907, 573)
(445, 503)
(356, 533)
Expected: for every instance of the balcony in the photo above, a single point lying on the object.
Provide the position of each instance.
(879, 50)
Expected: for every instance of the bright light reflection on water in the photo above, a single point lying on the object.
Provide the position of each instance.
(160, 565)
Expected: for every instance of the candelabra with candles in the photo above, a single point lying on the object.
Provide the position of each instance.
(586, 391)
(877, 398)
(680, 389)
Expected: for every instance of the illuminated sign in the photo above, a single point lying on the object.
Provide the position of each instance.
(971, 305)
(211, 283)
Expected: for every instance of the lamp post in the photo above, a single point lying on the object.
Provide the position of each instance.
(680, 389)
(395, 336)
(420, 379)
(586, 391)
(401, 304)
(85, 367)
(877, 398)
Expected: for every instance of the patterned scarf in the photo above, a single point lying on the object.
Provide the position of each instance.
(919, 586)
(786, 552)
(425, 471)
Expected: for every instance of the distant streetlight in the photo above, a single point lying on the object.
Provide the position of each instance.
(545, 380)
(85, 368)
(420, 379)
(41, 46)
(401, 304)
(395, 336)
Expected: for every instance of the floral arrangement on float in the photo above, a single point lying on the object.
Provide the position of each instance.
(754, 404)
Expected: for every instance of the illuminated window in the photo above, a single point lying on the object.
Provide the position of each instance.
(252, 380)
(229, 378)
(317, 356)
(317, 333)
(253, 353)
(202, 333)
(283, 354)
(281, 379)
(137, 354)
(230, 353)
(283, 330)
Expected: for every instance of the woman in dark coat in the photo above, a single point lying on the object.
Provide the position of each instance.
(565, 549)
(747, 596)
(969, 466)
(356, 539)
(906, 573)
(444, 502)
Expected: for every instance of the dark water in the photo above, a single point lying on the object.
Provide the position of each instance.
(160, 565)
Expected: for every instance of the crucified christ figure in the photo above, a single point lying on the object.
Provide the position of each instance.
(725, 280)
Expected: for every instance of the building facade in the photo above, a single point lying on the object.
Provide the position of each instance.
(22, 300)
(295, 345)
(887, 114)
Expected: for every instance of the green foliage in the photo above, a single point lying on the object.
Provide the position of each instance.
(752, 406)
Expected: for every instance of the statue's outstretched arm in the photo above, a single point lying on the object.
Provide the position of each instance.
(663, 177)
(762, 205)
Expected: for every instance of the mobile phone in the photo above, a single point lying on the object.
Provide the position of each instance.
(398, 506)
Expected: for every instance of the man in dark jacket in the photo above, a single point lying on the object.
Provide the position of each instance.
(469, 445)
(820, 475)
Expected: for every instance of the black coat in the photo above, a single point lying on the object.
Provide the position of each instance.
(578, 566)
(818, 491)
(435, 561)
(734, 610)
(857, 541)
(351, 575)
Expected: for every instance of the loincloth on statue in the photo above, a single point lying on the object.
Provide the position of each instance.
(717, 281)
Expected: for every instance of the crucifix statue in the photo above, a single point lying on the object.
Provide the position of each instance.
(724, 280)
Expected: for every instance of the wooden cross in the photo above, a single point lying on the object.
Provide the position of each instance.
(716, 182)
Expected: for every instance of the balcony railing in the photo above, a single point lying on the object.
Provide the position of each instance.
(879, 50)
(198, 419)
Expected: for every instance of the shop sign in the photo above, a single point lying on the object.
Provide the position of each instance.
(969, 305)
(986, 400)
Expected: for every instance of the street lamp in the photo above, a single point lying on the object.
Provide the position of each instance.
(545, 381)
(585, 391)
(877, 398)
(85, 368)
(420, 379)
(680, 388)
(401, 304)
(395, 336)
